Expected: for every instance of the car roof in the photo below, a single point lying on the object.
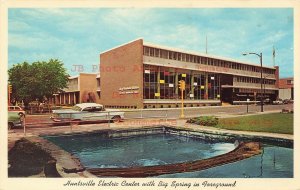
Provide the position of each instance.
(84, 105)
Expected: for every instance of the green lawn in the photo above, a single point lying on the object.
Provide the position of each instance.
(273, 123)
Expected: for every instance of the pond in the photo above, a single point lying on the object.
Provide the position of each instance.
(275, 162)
(96, 151)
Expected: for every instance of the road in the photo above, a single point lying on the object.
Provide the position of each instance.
(220, 111)
(211, 110)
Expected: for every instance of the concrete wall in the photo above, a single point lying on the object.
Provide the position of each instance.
(88, 84)
(285, 93)
(121, 68)
(73, 85)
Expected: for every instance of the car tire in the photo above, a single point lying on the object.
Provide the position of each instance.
(116, 119)
(21, 114)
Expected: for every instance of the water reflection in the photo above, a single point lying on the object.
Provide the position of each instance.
(95, 151)
(274, 162)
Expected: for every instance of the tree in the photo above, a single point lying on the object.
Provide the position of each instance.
(37, 80)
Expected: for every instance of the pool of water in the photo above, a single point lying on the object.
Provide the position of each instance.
(96, 152)
(275, 162)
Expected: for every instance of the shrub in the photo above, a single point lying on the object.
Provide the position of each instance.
(204, 120)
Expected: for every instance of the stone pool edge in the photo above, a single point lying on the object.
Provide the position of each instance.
(68, 165)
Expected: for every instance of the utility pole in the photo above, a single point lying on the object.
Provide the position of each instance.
(261, 80)
(261, 85)
(273, 56)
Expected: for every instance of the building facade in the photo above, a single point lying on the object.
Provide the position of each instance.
(82, 88)
(286, 88)
(144, 75)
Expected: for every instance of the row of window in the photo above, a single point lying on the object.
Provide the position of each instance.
(162, 83)
(253, 80)
(257, 91)
(166, 54)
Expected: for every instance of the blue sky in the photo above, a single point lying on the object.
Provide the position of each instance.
(77, 36)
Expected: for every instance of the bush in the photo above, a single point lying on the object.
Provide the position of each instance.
(204, 120)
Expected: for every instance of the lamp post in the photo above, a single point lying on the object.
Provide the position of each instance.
(261, 79)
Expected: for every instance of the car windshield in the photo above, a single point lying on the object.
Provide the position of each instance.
(76, 108)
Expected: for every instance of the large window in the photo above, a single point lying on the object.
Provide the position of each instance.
(150, 81)
(162, 83)
(199, 86)
(213, 86)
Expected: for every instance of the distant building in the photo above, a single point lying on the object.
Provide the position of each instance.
(82, 88)
(286, 88)
(144, 75)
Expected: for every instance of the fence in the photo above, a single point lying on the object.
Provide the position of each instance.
(137, 116)
(133, 117)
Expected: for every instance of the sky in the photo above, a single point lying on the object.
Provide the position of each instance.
(77, 36)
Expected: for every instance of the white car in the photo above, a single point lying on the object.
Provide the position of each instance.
(87, 112)
(278, 102)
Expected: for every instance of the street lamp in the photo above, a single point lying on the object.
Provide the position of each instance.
(261, 79)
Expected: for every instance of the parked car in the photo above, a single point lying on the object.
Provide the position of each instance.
(279, 101)
(15, 119)
(268, 101)
(87, 112)
(16, 109)
(288, 101)
(285, 101)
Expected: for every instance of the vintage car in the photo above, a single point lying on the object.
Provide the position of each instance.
(279, 101)
(16, 109)
(87, 112)
(15, 119)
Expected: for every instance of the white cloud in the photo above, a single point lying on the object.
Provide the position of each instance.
(16, 25)
(38, 41)
(78, 35)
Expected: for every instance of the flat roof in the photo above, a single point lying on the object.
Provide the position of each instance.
(187, 52)
(76, 76)
(73, 77)
(120, 45)
(201, 54)
(287, 78)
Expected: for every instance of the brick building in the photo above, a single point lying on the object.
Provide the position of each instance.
(144, 75)
(82, 88)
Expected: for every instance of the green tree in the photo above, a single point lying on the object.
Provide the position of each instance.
(37, 80)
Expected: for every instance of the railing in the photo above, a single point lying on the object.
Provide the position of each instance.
(138, 117)
(71, 119)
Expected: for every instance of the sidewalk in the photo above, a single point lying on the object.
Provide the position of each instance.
(225, 115)
(17, 134)
(227, 132)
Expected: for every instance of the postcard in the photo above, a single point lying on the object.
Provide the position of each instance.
(140, 95)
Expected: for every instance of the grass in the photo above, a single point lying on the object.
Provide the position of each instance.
(272, 123)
